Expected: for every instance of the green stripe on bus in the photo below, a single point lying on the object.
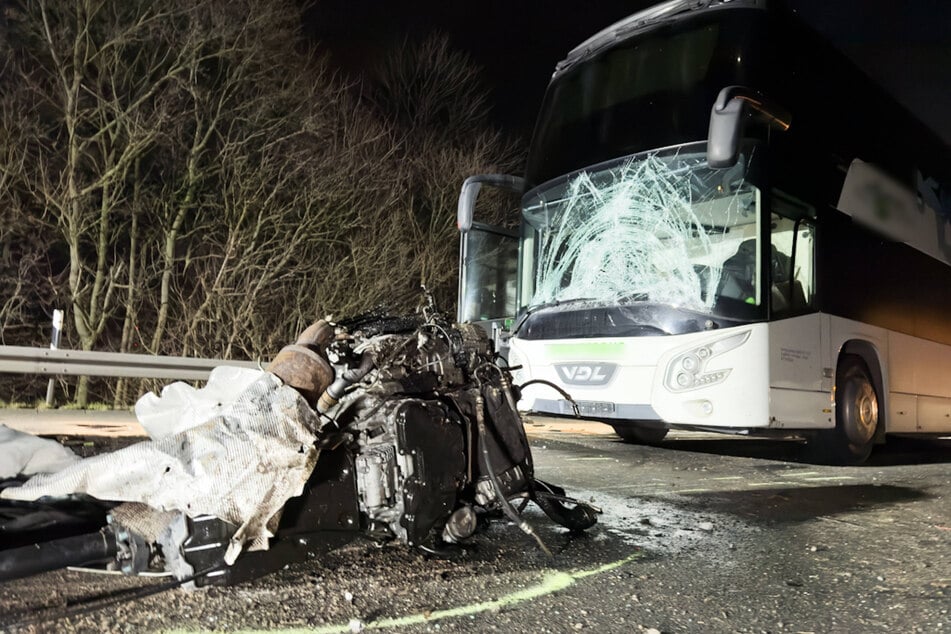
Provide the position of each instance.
(584, 351)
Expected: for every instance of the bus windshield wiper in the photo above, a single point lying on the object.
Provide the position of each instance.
(560, 302)
(553, 303)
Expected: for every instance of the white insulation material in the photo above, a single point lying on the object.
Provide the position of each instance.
(241, 465)
(26, 454)
(631, 233)
(182, 406)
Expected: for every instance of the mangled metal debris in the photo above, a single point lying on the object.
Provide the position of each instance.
(393, 428)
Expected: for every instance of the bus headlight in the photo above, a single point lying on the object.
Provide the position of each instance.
(688, 370)
(515, 360)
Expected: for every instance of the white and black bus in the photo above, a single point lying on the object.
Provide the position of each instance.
(725, 225)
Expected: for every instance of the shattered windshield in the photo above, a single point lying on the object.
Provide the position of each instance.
(659, 228)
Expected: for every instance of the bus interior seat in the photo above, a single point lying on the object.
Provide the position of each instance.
(780, 294)
(737, 280)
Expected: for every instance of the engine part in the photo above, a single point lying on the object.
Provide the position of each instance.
(331, 396)
(460, 525)
(304, 369)
(316, 336)
(58, 553)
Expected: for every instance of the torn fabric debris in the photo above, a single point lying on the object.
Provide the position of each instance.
(242, 465)
(26, 454)
(182, 406)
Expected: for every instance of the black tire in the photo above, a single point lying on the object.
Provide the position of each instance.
(856, 416)
(640, 434)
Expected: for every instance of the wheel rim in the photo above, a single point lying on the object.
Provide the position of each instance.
(861, 411)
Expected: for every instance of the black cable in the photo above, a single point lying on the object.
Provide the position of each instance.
(507, 508)
(574, 405)
(504, 377)
(91, 605)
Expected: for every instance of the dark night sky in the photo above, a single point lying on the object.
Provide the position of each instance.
(903, 44)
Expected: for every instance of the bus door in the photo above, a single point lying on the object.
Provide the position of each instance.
(488, 256)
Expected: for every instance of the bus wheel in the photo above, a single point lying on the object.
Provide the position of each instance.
(640, 434)
(856, 413)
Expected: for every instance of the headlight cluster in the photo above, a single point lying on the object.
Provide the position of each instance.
(515, 359)
(687, 370)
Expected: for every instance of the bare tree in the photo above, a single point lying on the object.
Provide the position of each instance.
(434, 97)
(211, 186)
(90, 71)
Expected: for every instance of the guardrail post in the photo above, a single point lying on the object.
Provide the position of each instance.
(54, 344)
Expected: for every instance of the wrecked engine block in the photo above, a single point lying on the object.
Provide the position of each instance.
(420, 467)
(418, 440)
(433, 426)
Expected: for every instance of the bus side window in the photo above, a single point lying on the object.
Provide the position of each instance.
(805, 260)
(792, 283)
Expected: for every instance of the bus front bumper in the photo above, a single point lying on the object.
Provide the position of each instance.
(595, 409)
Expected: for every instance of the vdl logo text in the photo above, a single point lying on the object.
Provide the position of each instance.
(585, 373)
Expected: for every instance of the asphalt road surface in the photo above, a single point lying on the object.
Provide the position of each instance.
(703, 534)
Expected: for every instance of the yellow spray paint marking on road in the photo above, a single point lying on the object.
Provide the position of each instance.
(628, 487)
(596, 458)
(553, 581)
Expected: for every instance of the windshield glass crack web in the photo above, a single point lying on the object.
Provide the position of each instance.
(657, 229)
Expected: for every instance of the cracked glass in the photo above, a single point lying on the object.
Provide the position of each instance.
(658, 227)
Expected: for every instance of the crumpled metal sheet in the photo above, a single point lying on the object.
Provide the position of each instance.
(26, 454)
(241, 466)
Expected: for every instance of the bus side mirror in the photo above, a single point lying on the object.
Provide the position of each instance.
(727, 118)
(470, 192)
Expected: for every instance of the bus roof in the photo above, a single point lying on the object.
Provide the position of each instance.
(866, 98)
(631, 25)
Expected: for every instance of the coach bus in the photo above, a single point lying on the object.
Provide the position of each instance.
(724, 225)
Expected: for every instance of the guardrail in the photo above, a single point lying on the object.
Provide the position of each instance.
(26, 360)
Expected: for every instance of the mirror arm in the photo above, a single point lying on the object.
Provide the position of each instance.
(726, 122)
(470, 191)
